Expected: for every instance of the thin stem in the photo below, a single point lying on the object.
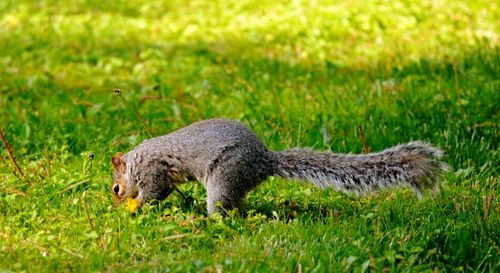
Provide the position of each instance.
(118, 92)
(9, 152)
(86, 209)
(366, 149)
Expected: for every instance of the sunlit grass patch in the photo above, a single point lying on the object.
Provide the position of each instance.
(299, 73)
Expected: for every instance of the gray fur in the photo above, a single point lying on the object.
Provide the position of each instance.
(230, 160)
(414, 165)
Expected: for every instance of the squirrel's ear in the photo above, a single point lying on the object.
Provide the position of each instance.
(117, 160)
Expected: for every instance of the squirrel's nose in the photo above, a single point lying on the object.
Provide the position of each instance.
(116, 188)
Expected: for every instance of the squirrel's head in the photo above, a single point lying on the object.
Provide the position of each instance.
(119, 186)
(158, 179)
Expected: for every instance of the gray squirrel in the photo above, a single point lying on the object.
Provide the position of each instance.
(230, 160)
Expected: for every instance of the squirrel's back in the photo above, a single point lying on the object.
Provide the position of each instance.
(202, 144)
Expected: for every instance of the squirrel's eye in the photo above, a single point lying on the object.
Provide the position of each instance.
(116, 188)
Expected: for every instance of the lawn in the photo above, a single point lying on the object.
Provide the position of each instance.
(299, 73)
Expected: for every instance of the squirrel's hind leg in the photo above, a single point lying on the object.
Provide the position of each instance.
(221, 198)
(226, 189)
(235, 173)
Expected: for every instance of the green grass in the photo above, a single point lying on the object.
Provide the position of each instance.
(298, 74)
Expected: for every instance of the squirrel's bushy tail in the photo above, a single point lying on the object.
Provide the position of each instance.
(415, 165)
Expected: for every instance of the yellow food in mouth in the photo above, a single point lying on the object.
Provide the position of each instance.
(131, 204)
